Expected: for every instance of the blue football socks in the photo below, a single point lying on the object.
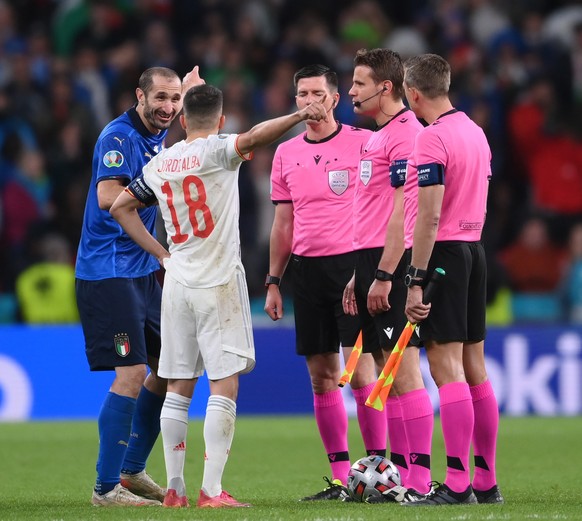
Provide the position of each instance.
(114, 429)
(144, 431)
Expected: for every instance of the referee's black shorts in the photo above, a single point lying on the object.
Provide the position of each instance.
(318, 287)
(379, 331)
(458, 305)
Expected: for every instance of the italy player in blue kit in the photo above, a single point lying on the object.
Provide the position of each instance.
(118, 295)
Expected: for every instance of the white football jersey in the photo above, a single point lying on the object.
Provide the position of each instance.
(196, 185)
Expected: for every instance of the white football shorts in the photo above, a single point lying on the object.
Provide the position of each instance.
(206, 329)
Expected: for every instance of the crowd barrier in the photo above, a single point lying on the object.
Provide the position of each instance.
(44, 374)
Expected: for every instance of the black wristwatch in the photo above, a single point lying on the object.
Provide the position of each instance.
(414, 277)
(384, 276)
(272, 280)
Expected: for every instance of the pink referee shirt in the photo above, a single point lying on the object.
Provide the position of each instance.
(460, 146)
(374, 198)
(319, 179)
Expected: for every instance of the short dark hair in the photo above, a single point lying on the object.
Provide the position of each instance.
(314, 71)
(430, 74)
(146, 80)
(203, 104)
(385, 65)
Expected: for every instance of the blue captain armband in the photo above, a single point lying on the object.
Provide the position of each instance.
(398, 172)
(141, 191)
(431, 174)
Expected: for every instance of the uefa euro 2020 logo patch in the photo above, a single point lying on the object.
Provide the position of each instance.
(122, 346)
(113, 158)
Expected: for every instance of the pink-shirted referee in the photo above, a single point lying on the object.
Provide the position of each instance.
(452, 164)
(313, 179)
(378, 288)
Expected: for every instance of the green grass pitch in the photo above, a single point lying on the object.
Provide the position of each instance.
(47, 472)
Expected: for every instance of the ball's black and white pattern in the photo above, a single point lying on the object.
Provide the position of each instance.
(371, 476)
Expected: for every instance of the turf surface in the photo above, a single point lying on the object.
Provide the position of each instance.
(47, 472)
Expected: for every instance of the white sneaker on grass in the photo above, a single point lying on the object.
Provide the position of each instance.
(141, 484)
(121, 497)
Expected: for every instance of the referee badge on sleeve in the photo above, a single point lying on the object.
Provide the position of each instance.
(338, 181)
(122, 346)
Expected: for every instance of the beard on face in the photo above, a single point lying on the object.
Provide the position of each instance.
(150, 115)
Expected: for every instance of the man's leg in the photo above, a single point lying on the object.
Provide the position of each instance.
(457, 418)
(219, 425)
(146, 424)
(174, 426)
(330, 412)
(372, 422)
(114, 424)
(418, 421)
(486, 426)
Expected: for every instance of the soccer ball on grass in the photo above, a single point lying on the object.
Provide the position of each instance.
(371, 476)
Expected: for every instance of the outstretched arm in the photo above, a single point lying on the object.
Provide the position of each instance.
(268, 131)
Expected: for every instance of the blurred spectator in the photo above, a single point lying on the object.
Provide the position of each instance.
(26, 202)
(64, 106)
(559, 25)
(555, 173)
(91, 80)
(572, 282)
(533, 263)
(25, 198)
(158, 47)
(26, 95)
(486, 20)
(534, 267)
(12, 127)
(46, 290)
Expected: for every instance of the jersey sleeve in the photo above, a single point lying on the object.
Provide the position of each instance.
(279, 189)
(224, 152)
(399, 152)
(115, 157)
(430, 159)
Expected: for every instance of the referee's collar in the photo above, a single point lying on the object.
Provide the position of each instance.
(331, 136)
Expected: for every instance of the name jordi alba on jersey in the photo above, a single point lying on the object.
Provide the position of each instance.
(196, 184)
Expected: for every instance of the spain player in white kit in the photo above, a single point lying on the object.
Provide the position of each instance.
(451, 164)
(206, 321)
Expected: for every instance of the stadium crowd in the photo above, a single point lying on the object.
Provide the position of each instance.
(69, 67)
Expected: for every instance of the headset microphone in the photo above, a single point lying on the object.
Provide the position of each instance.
(359, 103)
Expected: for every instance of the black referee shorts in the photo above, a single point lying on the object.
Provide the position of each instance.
(380, 331)
(458, 305)
(318, 286)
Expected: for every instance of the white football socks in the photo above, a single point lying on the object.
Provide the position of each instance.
(218, 435)
(174, 426)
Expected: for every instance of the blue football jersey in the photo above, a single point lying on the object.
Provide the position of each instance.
(105, 250)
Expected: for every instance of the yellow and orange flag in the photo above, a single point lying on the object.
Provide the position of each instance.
(350, 367)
